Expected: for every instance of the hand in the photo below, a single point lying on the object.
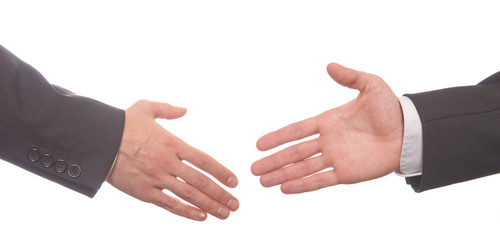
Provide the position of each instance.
(150, 160)
(361, 140)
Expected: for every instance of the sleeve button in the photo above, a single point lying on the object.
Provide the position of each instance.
(74, 171)
(60, 166)
(33, 155)
(47, 161)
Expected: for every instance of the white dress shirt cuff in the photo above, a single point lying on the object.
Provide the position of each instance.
(410, 163)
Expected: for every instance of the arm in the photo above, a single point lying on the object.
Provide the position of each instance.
(361, 140)
(74, 141)
(460, 133)
(69, 139)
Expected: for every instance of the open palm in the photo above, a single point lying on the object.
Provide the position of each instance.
(361, 140)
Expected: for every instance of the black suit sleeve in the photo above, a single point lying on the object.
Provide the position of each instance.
(461, 134)
(50, 131)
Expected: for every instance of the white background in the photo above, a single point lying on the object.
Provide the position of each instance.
(244, 68)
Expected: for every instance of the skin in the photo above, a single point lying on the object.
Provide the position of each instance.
(358, 141)
(151, 159)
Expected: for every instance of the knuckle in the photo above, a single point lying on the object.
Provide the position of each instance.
(141, 102)
(297, 129)
(203, 164)
(278, 161)
(148, 196)
(211, 206)
(221, 195)
(295, 153)
(169, 163)
(202, 182)
(173, 206)
(189, 194)
(186, 211)
(305, 168)
(169, 140)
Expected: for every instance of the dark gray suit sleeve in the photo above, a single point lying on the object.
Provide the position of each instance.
(461, 134)
(48, 130)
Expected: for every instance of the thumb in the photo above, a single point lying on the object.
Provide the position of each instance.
(166, 111)
(348, 77)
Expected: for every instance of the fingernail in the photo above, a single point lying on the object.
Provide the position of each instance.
(223, 212)
(233, 204)
(200, 215)
(231, 181)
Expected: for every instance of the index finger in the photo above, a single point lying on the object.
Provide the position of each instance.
(208, 164)
(292, 132)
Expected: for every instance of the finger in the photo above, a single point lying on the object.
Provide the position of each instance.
(166, 111)
(208, 164)
(314, 182)
(194, 196)
(207, 186)
(295, 171)
(286, 156)
(177, 207)
(289, 133)
(348, 77)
